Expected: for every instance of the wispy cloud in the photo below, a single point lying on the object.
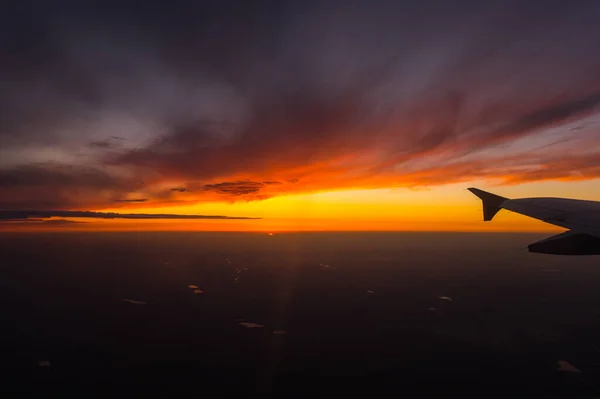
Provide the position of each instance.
(41, 214)
(134, 200)
(235, 188)
(37, 221)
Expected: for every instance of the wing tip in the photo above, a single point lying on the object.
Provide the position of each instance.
(492, 203)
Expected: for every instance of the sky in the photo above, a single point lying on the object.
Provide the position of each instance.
(309, 115)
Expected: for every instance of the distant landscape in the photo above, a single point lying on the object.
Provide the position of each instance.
(329, 312)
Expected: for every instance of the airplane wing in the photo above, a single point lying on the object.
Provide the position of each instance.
(581, 217)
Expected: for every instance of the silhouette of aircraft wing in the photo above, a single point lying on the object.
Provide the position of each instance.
(580, 217)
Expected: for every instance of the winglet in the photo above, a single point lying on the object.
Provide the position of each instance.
(492, 203)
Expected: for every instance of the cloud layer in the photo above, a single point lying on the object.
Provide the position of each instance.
(37, 215)
(135, 105)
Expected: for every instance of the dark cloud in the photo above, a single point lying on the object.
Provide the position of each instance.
(36, 214)
(40, 222)
(101, 144)
(60, 186)
(235, 188)
(254, 99)
(552, 114)
(114, 143)
(55, 175)
(132, 200)
(61, 222)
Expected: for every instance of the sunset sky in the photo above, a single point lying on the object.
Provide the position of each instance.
(333, 115)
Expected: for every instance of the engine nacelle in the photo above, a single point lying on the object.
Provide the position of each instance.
(567, 243)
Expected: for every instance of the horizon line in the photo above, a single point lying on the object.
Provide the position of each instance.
(266, 232)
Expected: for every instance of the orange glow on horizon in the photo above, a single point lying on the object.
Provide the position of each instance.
(274, 227)
(446, 208)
